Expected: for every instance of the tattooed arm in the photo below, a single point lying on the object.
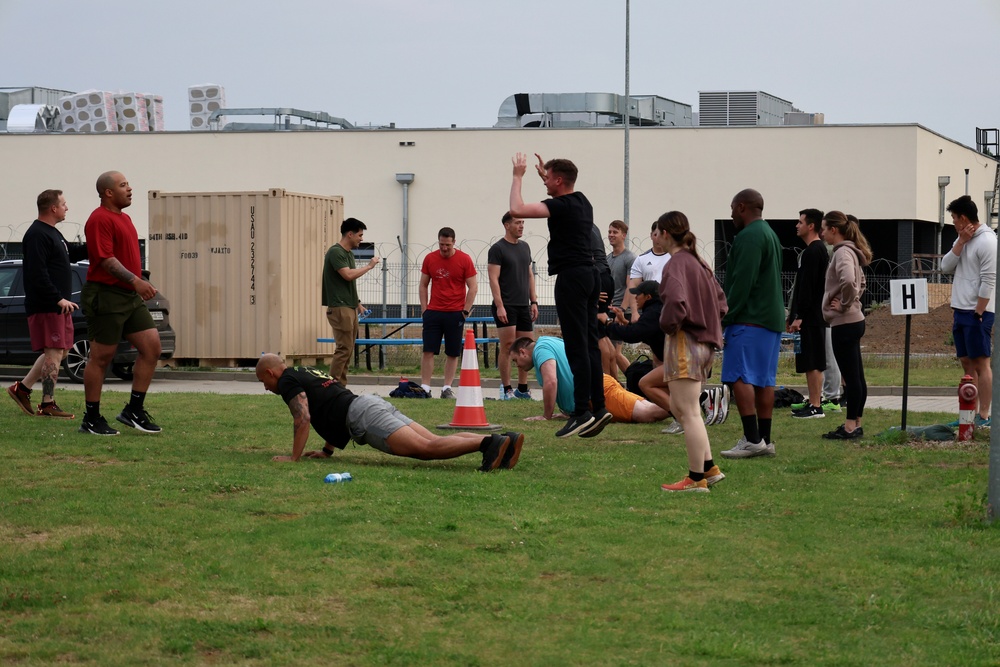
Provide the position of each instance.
(299, 407)
(115, 268)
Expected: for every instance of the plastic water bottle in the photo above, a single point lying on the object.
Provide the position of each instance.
(797, 343)
(338, 477)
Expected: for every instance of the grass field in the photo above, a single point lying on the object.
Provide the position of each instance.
(192, 547)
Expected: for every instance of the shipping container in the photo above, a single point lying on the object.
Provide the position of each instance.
(243, 271)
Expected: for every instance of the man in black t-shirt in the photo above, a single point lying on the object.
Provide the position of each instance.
(577, 289)
(315, 398)
(48, 286)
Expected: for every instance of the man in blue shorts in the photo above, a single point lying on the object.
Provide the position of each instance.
(338, 416)
(973, 260)
(752, 327)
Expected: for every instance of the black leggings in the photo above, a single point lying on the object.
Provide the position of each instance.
(846, 339)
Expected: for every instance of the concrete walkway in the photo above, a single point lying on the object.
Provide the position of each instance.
(919, 399)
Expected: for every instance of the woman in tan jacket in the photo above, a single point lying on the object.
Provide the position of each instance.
(845, 283)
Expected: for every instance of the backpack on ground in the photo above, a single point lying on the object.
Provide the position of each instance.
(635, 371)
(409, 389)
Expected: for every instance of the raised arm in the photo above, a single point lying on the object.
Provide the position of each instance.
(518, 208)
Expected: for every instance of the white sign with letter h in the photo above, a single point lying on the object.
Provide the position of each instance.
(908, 296)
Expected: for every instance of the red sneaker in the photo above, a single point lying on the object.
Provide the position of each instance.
(687, 484)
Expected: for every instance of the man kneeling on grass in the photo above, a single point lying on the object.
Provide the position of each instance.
(313, 397)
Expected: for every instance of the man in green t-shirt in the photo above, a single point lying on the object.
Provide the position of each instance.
(340, 294)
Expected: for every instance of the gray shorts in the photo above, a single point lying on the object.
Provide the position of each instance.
(372, 420)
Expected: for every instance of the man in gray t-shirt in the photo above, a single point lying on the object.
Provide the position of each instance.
(620, 259)
(515, 305)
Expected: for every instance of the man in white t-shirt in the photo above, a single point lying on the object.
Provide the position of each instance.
(647, 266)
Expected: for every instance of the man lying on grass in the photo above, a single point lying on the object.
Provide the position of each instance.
(314, 397)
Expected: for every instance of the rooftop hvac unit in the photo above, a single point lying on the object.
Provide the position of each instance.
(32, 118)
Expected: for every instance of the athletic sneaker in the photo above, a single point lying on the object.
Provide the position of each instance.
(673, 429)
(507, 395)
(601, 419)
(708, 405)
(97, 427)
(21, 396)
(140, 421)
(513, 452)
(808, 412)
(575, 424)
(798, 406)
(841, 433)
(687, 484)
(746, 450)
(830, 406)
(722, 405)
(713, 475)
(493, 456)
(953, 424)
(522, 394)
(52, 410)
(982, 423)
(447, 393)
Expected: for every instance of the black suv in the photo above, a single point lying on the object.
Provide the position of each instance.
(15, 342)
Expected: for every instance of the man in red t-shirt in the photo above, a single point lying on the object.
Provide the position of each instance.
(113, 302)
(451, 277)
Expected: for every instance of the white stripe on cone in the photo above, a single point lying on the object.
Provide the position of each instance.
(469, 410)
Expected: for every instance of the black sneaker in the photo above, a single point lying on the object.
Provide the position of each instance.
(843, 434)
(575, 424)
(140, 421)
(809, 412)
(513, 451)
(494, 454)
(601, 419)
(98, 426)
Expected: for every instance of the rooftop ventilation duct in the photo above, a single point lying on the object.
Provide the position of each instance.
(32, 118)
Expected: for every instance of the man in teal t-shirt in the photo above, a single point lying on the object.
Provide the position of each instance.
(547, 356)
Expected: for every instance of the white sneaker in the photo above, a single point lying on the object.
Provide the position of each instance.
(721, 405)
(674, 428)
(708, 405)
(746, 450)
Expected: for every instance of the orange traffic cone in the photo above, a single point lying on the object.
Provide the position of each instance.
(469, 410)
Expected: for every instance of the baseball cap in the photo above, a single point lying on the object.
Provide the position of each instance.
(650, 287)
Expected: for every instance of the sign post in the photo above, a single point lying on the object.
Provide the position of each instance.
(907, 296)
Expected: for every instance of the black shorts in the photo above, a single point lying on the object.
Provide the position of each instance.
(451, 325)
(813, 355)
(517, 316)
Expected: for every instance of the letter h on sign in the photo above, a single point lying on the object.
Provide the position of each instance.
(908, 296)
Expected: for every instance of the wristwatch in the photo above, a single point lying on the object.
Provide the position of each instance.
(466, 312)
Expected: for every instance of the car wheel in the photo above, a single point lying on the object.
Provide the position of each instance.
(76, 360)
(123, 371)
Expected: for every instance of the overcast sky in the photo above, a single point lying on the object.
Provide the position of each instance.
(431, 63)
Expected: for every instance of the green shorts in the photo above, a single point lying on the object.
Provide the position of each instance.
(113, 313)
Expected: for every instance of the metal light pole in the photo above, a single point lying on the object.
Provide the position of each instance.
(406, 180)
(943, 182)
(628, 108)
(993, 484)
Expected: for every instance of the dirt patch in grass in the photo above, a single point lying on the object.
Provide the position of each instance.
(885, 333)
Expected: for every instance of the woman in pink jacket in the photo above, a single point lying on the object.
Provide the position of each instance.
(845, 283)
(693, 306)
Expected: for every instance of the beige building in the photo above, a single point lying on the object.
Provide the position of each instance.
(887, 175)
